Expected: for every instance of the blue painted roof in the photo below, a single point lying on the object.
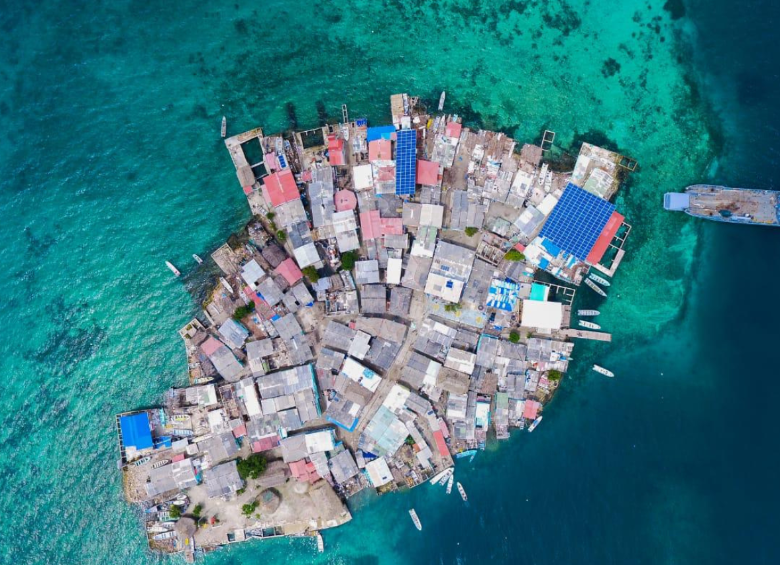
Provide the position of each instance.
(350, 428)
(577, 221)
(135, 430)
(379, 132)
(405, 162)
(543, 263)
(551, 248)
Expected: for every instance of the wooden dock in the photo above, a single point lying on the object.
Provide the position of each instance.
(585, 334)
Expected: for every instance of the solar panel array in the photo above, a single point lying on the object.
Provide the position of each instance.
(405, 162)
(577, 221)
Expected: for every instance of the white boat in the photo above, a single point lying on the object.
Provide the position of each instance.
(462, 492)
(415, 519)
(436, 478)
(595, 287)
(534, 424)
(603, 371)
(161, 463)
(588, 312)
(447, 475)
(142, 461)
(198, 260)
(441, 100)
(449, 483)
(601, 280)
(589, 325)
(226, 284)
(320, 543)
(172, 268)
(223, 131)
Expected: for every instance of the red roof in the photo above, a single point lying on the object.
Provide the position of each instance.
(259, 302)
(441, 444)
(289, 270)
(380, 150)
(335, 150)
(427, 173)
(265, 443)
(280, 187)
(443, 427)
(345, 200)
(520, 247)
(370, 224)
(607, 234)
(304, 471)
(531, 409)
(247, 190)
(210, 346)
(178, 457)
(392, 226)
(239, 431)
(453, 129)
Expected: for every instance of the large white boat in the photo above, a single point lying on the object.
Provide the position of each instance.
(173, 269)
(589, 325)
(449, 483)
(535, 424)
(601, 280)
(603, 371)
(462, 492)
(595, 287)
(415, 519)
(588, 312)
(439, 476)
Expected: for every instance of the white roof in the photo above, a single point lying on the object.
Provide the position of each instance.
(306, 255)
(547, 204)
(251, 273)
(218, 421)
(537, 314)
(443, 287)
(362, 177)
(317, 442)
(394, 267)
(460, 360)
(396, 398)
(378, 472)
(360, 374)
(432, 215)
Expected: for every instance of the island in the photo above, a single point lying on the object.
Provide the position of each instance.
(401, 297)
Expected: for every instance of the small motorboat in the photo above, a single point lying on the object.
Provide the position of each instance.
(593, 286)
(449, 483)
(601, 280)
(173, 269)
(415, 519)
(441, 100)
(535, 424)
(603, 371)
(142, 461)
(589, 325)
(161, 463)
(223, 130)
(198, 260)
(462, 492)
(588, 312)
(320, 543)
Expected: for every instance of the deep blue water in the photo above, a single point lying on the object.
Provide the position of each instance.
(111, 164)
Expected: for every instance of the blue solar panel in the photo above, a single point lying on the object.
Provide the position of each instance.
(405, 162)
(577, 221)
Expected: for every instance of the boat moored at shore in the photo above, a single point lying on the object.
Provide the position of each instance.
(588, 312)
(589, 325)
(593, 286)
(725, 204)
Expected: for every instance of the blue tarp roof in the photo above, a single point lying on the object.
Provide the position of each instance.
(350, 428)
(379, 132)
(135, 430)
(576, 221)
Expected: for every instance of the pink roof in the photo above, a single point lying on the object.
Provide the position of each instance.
(336, 158)
(265, 443)
(178, 457)
(385, 173)
(453, 129)
(280, 187)
(335, 150)
(335, 143)
(289, 270)
(345, 200)
(392, 226)
(441, 444)
(210, 346)
(380, 150)
(427, 172)
(304, 471)
(259, 302)
(520, 247)
(239, 431)
(443, 427)
(306, 176)
(531, 409)
(247, 190)
(370, 224)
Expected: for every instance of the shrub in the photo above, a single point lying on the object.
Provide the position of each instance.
(281, 235)
(409, 440)
(270, 215)
(554, 375)
(197, 510)
(175, 511)
(311, 273)
(514, 255)
(248, 509)
(514, 337)
(471, 231)
(242, 311)
(348, 260)
(251, 467)
(452, 307)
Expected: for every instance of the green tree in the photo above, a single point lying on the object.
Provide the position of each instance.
(248, 509)
(471, 231)
(242, 311)
(452, 307)
(251, 467)
(281, 235)
(514, 255)
(175, 511)
(270, 215)
(348, 260)
(514, 337)
(197, 510)
(554, 375)
(311, 273)
(409, 440)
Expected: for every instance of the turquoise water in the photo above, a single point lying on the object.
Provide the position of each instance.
(111, 163)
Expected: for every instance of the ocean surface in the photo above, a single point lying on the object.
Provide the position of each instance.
(111, 163)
